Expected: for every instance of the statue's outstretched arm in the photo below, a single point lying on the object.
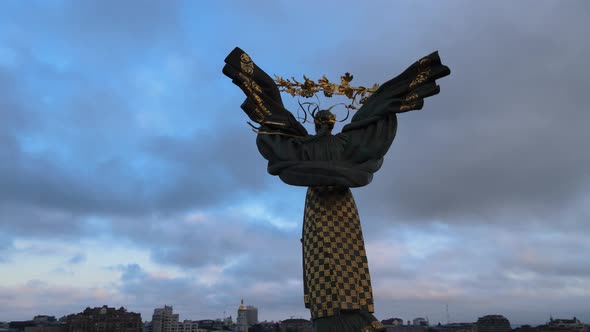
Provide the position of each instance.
(406, 92)
(263, 103)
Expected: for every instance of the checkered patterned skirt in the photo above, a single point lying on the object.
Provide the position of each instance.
(335, 269)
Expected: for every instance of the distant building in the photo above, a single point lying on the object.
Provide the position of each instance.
(212, 325)
(563, 325)
(393, 322)
(397, 325)
(405, 328)
(104, 319)
(295, 325)
(189, 326)
(247, 317)
(265, 327)
(46, 328)
(526, 328)
(4, 326)
(251, 315)
(44, 319)
(164, 320)
(420, 322)
(228, 321)
(456, 327)
(21, 325)
(242, 319)
(493, 323)
(41, 323)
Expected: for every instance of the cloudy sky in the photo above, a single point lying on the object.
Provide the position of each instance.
(129, 177)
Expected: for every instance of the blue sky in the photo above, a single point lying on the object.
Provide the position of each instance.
(129, 177)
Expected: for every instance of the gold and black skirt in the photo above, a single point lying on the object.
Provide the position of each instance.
(335, 269)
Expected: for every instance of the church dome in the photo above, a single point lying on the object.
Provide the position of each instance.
(242, 306)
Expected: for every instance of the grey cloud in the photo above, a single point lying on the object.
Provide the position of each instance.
(200, 244)
(277, 264)
(186, 173)
(488, 268)
(13, 115)
(48, 299)
(502, 146)
(467, 275)
(30, 220)
(197, 301)
(77, 259)
(39, 178)
(140, 21)
(492, 147)
(36, 283)
(98, 34)
(206, 170)
(559, 256)
(6, 247)
(142, 292)
(426, 165)
(494, 142)
(98, 120)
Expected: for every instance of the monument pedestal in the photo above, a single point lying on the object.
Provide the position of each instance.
(348, 321)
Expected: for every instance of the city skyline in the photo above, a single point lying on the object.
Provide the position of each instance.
(166, 313)
(129, 177)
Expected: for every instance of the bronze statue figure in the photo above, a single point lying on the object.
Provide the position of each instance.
(337, 284)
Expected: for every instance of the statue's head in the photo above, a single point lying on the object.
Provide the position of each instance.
(324, 122)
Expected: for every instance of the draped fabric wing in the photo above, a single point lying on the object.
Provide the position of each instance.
(403, 93)
(263, 103)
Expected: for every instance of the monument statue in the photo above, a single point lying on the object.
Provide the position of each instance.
(337, 284)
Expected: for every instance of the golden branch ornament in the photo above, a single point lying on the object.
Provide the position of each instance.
(308, 88)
